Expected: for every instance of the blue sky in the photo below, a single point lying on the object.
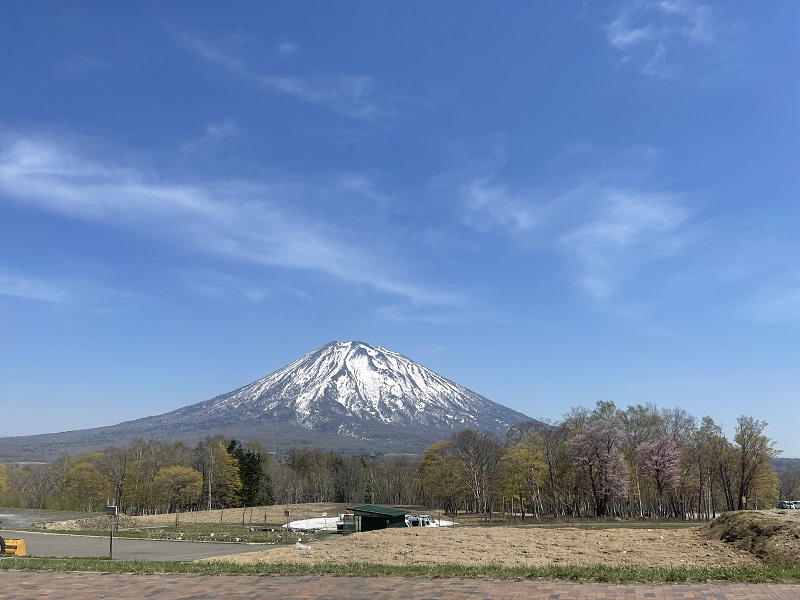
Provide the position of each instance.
(550, 203)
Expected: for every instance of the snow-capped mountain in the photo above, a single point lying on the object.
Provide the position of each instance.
(345, 396)
(347, 386)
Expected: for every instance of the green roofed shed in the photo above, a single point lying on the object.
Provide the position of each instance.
(369, 517)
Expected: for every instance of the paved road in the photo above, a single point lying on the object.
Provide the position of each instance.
(25, 518)
(81, 586)
(70, 546)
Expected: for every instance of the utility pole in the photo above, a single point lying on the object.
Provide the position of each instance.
(111, 511)
(210, 471)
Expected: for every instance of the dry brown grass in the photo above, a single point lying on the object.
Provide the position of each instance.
(515, 546)
(257, 516)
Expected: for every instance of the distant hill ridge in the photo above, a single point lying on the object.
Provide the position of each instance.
(344, 397)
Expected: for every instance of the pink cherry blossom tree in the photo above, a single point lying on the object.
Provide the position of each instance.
(597, 453)
(660, 461)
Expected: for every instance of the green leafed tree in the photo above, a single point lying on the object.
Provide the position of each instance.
(3, 479)
(221, 483)
(753, 451)
(177, 488)
(440, 477)
(87, 482)
(524, 474)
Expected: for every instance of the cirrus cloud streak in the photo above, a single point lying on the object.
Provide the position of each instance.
(245, 221)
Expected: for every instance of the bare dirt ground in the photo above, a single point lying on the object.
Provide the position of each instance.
(509, 546)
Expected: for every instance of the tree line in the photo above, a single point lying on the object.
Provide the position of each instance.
(145, 477)
(636, 462)
(150, 477)
(640, 461)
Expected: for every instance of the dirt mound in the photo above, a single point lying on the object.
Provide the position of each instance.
(771, 535)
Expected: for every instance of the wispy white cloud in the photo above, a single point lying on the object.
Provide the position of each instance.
(622, 35)
(777, 302)
(695, 18)
(20, 285)
(631, 230)
(75, 64)
(361, 184)
(225, 128)
(622, 238)
(245, 221)
(223, 52)
(223, 286)
(608, 228)
(351, 95)
(287, 49)
(215, 133)
(652, 34)
(483, 198)
(432, 316)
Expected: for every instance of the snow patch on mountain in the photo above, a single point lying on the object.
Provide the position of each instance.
(349, 384)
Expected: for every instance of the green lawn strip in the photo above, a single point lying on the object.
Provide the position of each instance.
(205, 534)
(600, 573)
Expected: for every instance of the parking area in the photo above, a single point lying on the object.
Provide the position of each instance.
(74, 546)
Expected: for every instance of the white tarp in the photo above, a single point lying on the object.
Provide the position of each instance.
(329, 524)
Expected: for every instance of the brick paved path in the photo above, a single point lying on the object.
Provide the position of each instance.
(86, 586)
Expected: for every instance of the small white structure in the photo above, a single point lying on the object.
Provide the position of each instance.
(426, 521)
(420, 521)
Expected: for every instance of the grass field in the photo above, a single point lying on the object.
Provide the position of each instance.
(204, 533)
(601, 573)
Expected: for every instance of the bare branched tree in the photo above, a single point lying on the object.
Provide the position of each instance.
(477, 455)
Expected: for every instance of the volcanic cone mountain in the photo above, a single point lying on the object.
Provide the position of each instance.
(344, 396)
